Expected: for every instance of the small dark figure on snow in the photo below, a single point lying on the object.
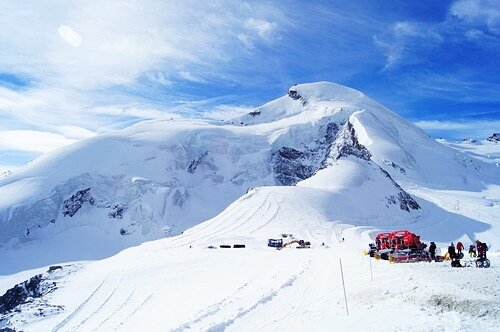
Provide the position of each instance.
(432, 251)
(472, 251)
(451, 251)
(460, 247)
(456, 263)
(481, 249)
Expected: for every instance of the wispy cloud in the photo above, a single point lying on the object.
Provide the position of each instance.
(478, 13)
(460, 129)
(31, 140)
(400, 42)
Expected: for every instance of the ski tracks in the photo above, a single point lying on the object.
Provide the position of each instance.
(92, 301)
(120, 326)
(230, 304)
(213, 309)
(120, 307)
(65, 321)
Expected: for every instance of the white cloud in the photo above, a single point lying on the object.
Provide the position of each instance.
(188, 76)
(461, 129)
(263, 28)
(398, 42)
(69, 35)
(478, 12)
(115, 44)
(32, 140)
(139, 111)
(160, 78)
(74, 132)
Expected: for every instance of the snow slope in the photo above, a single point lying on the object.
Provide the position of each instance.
(324, 163)
(180, 284)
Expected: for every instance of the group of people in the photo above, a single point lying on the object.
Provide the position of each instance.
(456, 254)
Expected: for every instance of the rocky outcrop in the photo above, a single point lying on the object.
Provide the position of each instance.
(405, 201)
(25, 292)
(346, 144)
(196, 162)
(494, 138)
(292, 166)
(292, 93)
(395, 166)
(76, 201)
(117, 211)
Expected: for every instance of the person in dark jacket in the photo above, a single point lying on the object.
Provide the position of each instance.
(481, 249)
(451, 251)
(472, 251)
(432, 251)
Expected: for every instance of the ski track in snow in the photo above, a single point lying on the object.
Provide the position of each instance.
(119, 326)
(261, 302)
(212, 309)
(65, 321)
(221, 226)
(118, 309)
(99, 307)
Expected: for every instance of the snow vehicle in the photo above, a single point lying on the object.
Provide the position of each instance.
(382, 241)
(400, 246)
(405, 240)
(301, 244)
(276, 243)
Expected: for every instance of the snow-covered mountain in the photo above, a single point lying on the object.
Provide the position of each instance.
(324, 163)
(159, 178)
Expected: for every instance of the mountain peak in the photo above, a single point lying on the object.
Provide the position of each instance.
(325, 91)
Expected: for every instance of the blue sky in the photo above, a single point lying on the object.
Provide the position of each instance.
(69, 70)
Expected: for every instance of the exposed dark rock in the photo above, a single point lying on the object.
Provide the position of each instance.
(292, 93)
(290, 166)
(470, 140)
(196, 162)
(406, 202)
(24, 292)
(332, 129)
(76, 201)
(123, 231)
(395, 166)
(346, 144)
(254, 113)
(117, 211)
(494, 138)
(54, 267)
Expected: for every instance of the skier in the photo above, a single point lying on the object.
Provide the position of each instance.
(432, 251)
(460, 247)
(451, 251)
(472, 251)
